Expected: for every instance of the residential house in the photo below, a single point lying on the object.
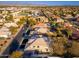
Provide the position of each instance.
(36, 45)
(16, 20)
(1, 16)
(42, 19)
(42, 30)
(4, 12)
(68, 16)
(4, 32)
(35, 12)
(67, 25)
(59, 20)
(77, 15)
(40, 25)
(10, 24)
(15, 14)
(2, 20)
(1, 24)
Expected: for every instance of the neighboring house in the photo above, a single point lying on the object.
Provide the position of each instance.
(67, 25)
(42, 19)
(4, 29)
(1, 16)
(77, 15)
(35, 12)
(30, 14)
(2, 20)
(31, 32)
(4, 16)
(16, 20)
(68, 16)
(59, 20)
(40, 25)
(4, 12)
(75, 34)
(39, 44)
(4, 32)
(42, 30)
(1, 24)
(15, 14)
(10, 24)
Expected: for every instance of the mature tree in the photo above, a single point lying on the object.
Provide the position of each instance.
(74, 49)
(57, 45)
(69, 32)
(31, 22)
(22, 20)
(16, 54)
(13, 30)
(9, 18)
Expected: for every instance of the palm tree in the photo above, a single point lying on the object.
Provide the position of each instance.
(69, 32)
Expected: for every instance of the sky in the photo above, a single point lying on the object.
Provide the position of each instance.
(48, 3)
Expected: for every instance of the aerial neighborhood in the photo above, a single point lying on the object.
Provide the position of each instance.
(43, 31)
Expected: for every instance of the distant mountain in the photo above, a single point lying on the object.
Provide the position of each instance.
(24, 3)
(41, 3)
